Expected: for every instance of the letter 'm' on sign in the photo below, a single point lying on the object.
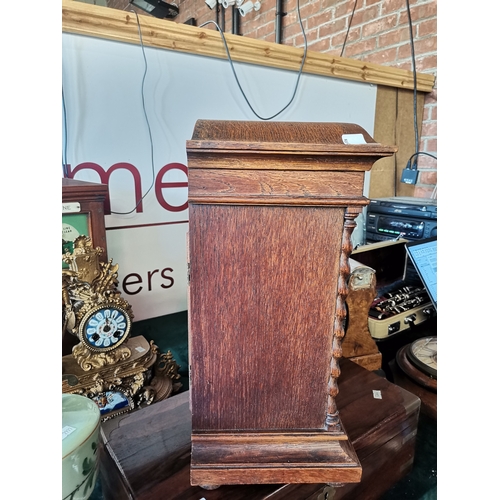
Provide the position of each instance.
(105, 175)
(159, 185)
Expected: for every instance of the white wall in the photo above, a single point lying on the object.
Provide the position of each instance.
(106, 125)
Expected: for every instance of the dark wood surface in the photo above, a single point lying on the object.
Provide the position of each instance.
(266, 371)
(146, 455)
(271, 212)
(419, 384)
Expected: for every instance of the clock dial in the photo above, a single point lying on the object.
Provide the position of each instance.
(423, 354)
(104, 328)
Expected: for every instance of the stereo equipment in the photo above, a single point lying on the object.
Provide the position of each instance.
(401, 217)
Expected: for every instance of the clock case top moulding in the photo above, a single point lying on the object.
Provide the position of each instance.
(272, 208)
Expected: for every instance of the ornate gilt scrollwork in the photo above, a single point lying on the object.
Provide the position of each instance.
(89, 285)
(119, 373)
(89, 360)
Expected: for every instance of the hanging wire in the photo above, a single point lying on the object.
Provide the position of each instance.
(236, 76)
(65, 148)
(348, 28)
(145, 116)
(412, 46)
(147, 120)
(421, 153)
(414, 165)
(415, 123)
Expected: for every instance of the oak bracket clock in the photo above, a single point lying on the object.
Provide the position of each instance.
(272, 206)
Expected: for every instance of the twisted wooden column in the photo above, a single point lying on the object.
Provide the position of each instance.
(332, 421)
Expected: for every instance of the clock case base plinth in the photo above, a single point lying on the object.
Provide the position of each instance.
(272, 458)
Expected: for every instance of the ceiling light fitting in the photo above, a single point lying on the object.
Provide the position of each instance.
(248, 7)
(228, 3)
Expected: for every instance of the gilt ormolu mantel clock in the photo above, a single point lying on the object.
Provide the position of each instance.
(271, 212)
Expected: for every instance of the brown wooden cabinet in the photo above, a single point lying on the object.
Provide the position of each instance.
(84, 205)
(271, 212)
(92, 200)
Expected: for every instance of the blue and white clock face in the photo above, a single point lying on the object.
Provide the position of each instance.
(105, 328)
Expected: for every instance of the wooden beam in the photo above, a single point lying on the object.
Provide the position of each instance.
(118, 25)
(395, 124)
(405, 135)
(383, 173)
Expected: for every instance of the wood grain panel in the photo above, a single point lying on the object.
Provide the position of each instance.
(383, 174)
(327, 135)
(269, 184)
(271, 274)
(304, 160)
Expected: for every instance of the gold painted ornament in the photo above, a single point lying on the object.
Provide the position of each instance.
(94, 310)
(117, 371)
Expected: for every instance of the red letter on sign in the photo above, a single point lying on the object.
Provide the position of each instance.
(104, 175)
(159, 185)
(169, 278)
(128, 281)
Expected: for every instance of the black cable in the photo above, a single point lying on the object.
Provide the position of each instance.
(348, 28)
(415, 125)
(236, 76)
(147, 120)
(65, 150)
(420, 153)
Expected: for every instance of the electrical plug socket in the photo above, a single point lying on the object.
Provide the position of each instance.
(409, 176)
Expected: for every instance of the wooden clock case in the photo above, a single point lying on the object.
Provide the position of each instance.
(92, 199)
(272, 208)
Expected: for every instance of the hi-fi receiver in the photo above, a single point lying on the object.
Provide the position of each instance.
(401, 217)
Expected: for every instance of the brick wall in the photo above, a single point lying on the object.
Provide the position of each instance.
(378, 33)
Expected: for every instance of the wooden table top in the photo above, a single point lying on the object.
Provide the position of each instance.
(148, 451)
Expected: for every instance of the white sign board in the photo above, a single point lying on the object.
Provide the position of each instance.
(107, 122)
